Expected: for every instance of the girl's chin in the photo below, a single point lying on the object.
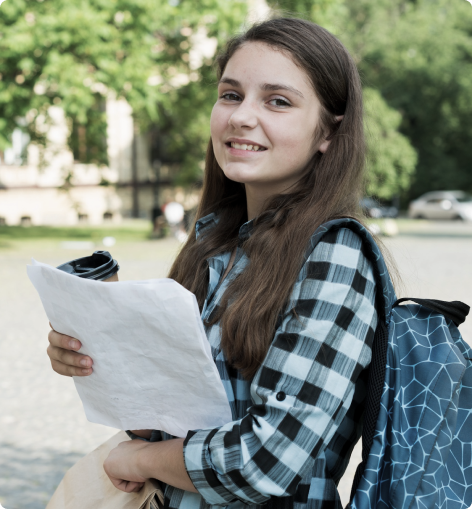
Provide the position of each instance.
(259, 183)
(243, 175)
(243, 179)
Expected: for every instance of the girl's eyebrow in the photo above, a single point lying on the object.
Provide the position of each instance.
(266, 86)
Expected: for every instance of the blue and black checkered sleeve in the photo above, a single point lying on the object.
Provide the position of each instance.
(304, 387)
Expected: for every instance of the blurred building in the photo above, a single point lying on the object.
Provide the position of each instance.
(51, 188)
(61, 191)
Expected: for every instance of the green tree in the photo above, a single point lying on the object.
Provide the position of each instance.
(74, 54)
(419, 55)
(391, 160)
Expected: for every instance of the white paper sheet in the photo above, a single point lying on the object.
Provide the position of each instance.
(153, 367)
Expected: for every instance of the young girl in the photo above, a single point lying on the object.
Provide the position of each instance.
(290, 326)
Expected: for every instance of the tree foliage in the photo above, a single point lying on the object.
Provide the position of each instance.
(419, 55)
(74, 54)
(391, 160)
(416, 53)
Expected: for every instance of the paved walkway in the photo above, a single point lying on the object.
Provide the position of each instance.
(43, 430)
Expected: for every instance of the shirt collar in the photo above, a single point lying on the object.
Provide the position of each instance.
(210, 220)
(205, 222)
(246, 230)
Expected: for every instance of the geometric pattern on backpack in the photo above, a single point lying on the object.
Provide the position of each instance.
(417, 436)
(421, 455)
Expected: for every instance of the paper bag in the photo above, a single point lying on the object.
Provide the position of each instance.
(87, 486)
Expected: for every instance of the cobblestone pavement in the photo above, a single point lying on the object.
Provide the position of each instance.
(43, 430)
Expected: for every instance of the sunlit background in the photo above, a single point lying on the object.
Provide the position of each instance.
(104, 110)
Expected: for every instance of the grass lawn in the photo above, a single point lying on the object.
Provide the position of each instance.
(45, 237)
(127, 231)
(139, 230)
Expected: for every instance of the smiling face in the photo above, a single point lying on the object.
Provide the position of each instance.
(264, 121)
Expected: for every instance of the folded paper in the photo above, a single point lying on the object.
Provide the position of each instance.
(152, 363)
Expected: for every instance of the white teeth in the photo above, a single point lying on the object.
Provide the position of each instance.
(244, 146)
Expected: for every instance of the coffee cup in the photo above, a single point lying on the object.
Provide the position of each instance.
(100, 266)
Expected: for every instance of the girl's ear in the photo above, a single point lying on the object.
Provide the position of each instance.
(325, 144)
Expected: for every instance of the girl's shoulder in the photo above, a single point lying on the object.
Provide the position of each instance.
(346, 235)
(338, 256)
(341, 245)
(344, 250)
(338, 236)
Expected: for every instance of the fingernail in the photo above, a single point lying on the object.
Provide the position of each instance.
(73, 344)
(86, 371)
(85, 362)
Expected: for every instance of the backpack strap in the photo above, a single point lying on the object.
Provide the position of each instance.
(375, 386)
(456, 310)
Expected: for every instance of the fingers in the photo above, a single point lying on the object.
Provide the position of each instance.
(143, 433)
(64, 360)
(68, 370)
(63, 341)
(126, 486)
(68, 357)
(69, 363)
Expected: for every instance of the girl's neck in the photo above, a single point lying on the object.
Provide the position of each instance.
(257, 197)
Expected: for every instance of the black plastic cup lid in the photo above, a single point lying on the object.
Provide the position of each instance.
(99, 266)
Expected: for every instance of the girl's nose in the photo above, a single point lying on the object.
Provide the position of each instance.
(244, 116)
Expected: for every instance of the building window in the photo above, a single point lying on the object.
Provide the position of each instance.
(25, 221)
(83, 218)
(107, 216)
(89, 141)
(16, 154)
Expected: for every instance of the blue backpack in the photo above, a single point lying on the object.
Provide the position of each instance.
(417, 433)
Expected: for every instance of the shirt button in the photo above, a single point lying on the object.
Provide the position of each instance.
(280, 396)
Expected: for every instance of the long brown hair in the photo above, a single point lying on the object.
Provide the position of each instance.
(330, 188)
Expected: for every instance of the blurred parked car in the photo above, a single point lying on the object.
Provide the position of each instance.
(372, 208)
(442, 205)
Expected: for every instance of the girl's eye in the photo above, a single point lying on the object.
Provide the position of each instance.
(229, 96)
(279, 102)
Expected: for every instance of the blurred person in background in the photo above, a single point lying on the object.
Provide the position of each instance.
(174, 213)
(290, 326)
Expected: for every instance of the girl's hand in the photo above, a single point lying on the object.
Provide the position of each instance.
(143, 433)
(64, 359)
(121, 466)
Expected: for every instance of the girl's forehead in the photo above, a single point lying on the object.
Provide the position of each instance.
(259, 62)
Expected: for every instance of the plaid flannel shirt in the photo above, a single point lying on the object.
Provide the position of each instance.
(295, 424)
